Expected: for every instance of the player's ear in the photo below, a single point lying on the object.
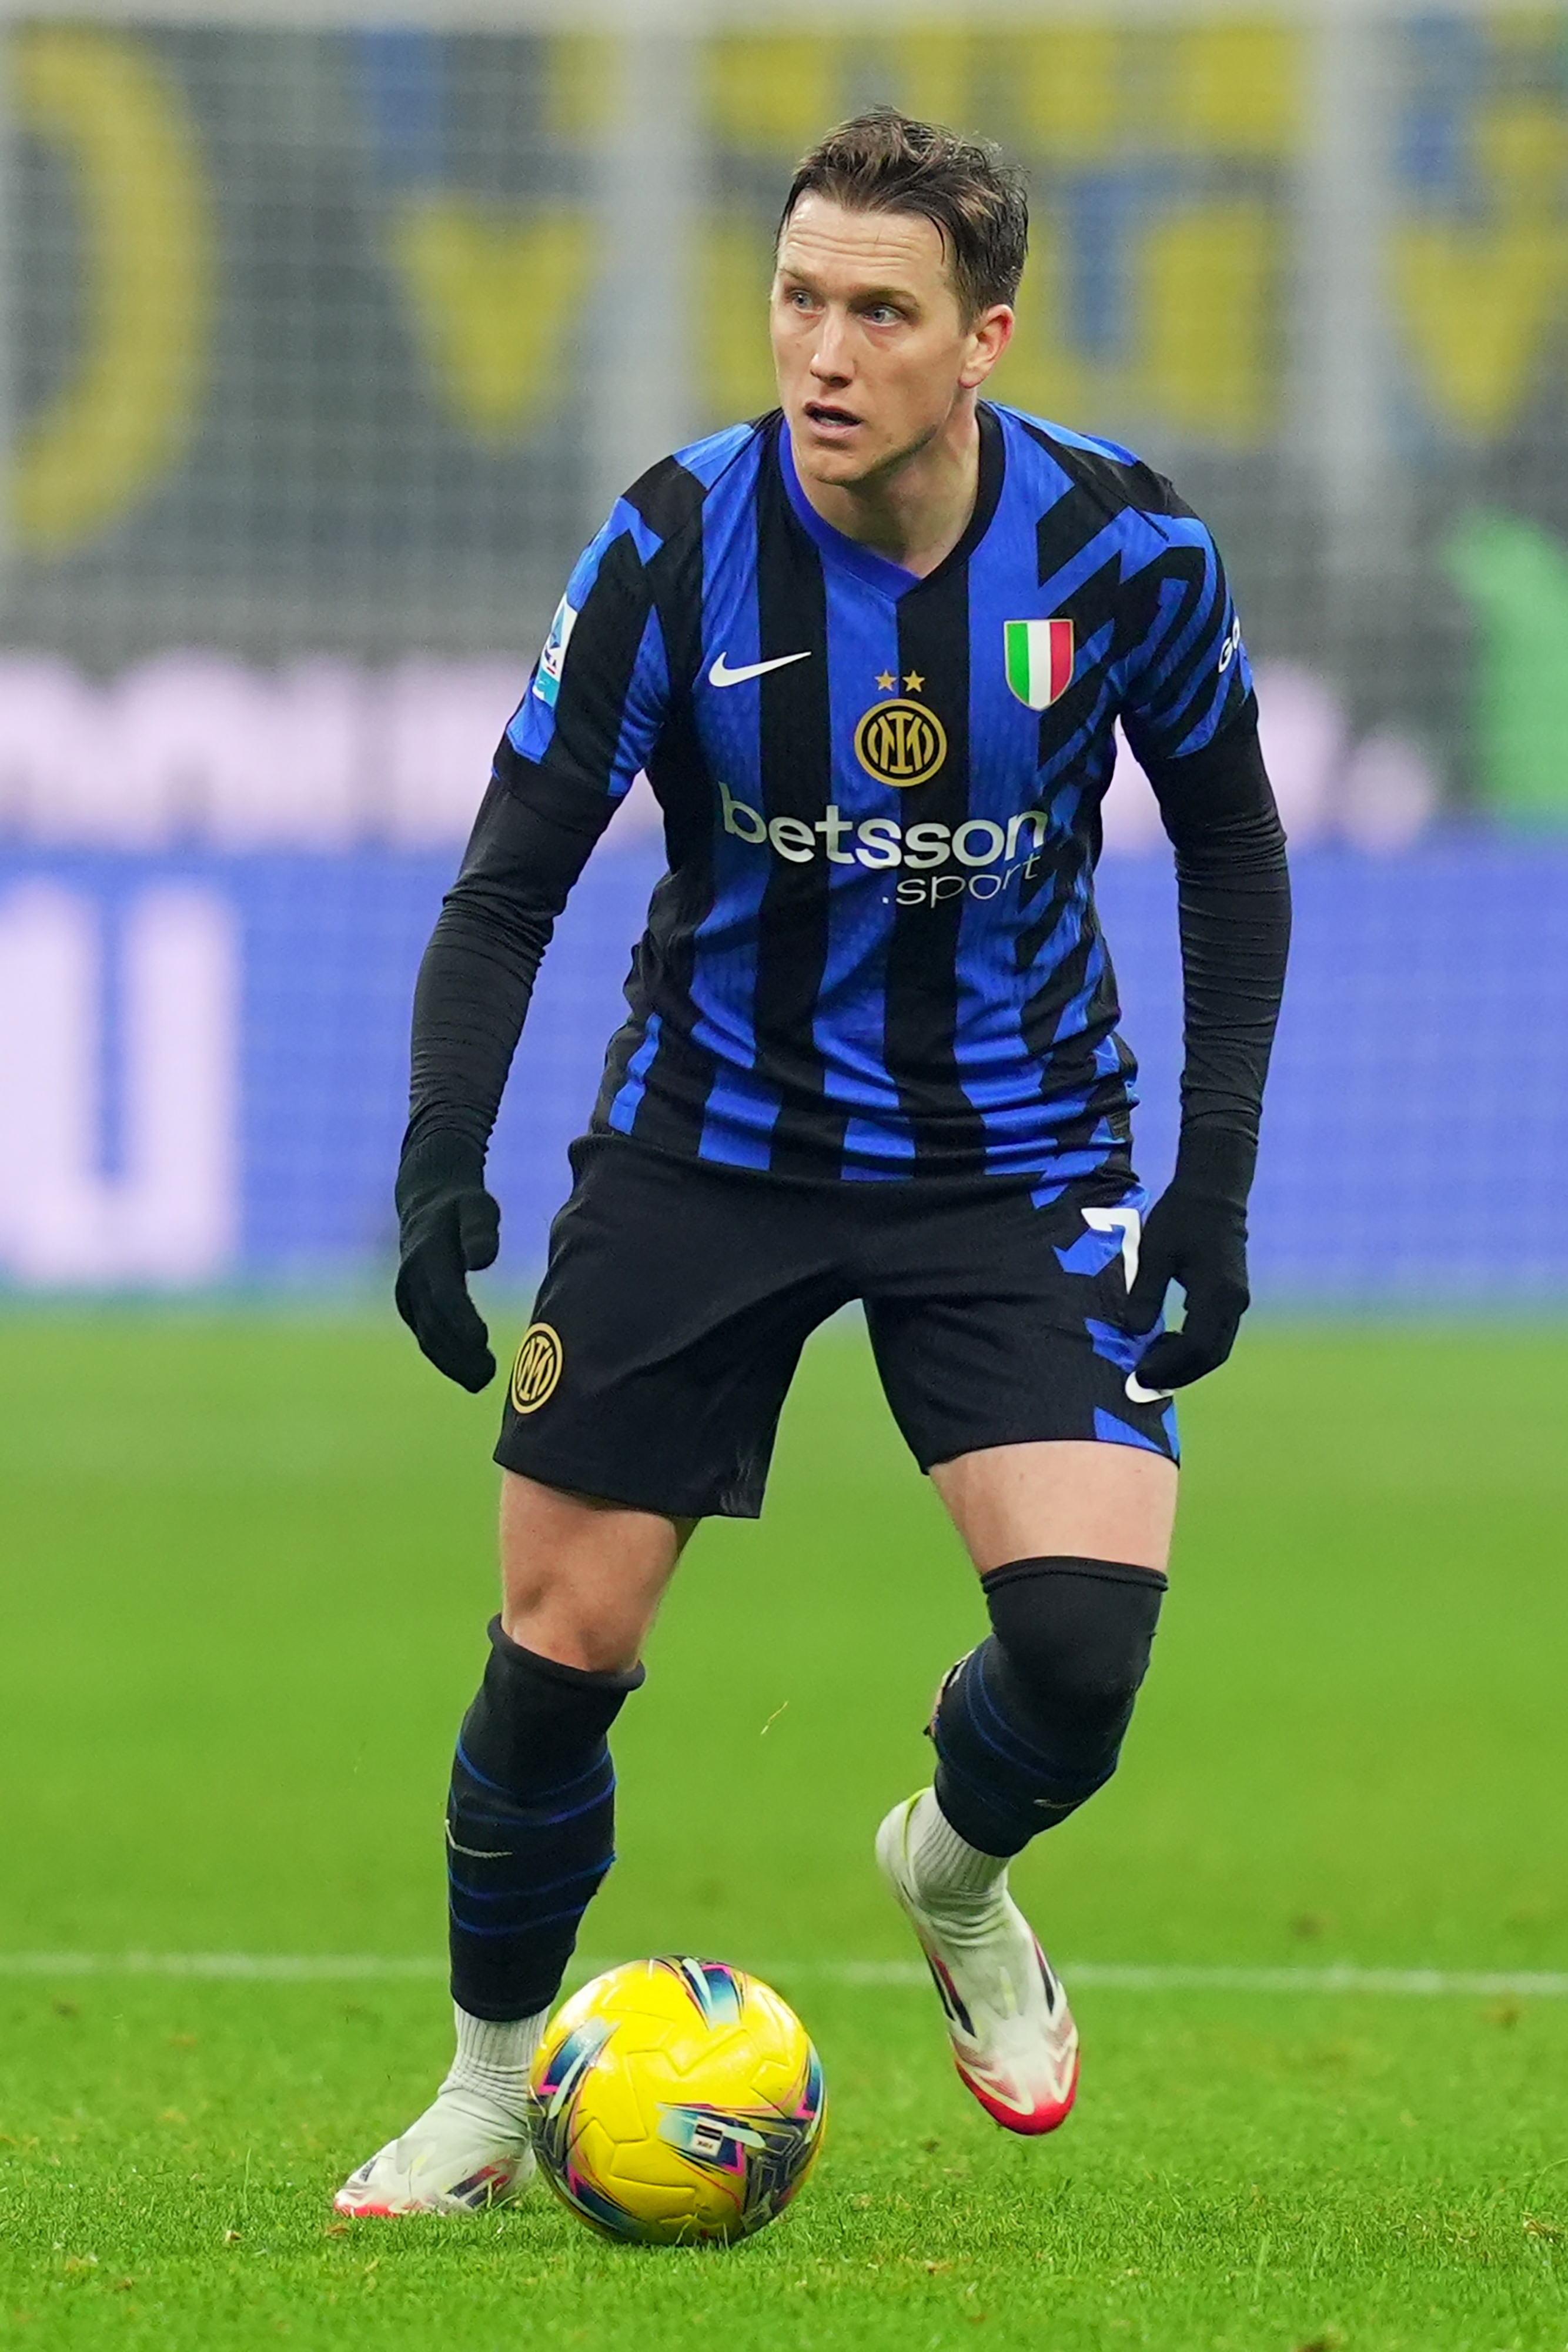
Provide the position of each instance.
(989, 339)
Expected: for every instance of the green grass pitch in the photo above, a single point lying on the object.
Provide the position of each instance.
(246, 1562)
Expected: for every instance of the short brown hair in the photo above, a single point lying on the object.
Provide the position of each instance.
(884, 162)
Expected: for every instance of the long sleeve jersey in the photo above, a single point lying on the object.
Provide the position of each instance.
(875, 952)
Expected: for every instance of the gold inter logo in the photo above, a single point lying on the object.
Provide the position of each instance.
(536, 1369)
(900, 743)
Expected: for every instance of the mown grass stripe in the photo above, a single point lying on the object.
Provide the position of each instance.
(327, 1967)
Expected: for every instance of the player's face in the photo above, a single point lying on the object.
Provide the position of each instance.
(874, 353)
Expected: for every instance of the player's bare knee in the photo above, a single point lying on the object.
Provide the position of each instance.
(552, 1609)
(581, 1578)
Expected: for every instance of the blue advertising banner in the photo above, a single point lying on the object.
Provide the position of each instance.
(203, 1063)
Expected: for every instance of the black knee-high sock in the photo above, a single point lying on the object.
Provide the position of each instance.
(1030, 1724)
(530, 1826)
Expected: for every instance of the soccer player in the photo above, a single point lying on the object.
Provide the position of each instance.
(871, 650)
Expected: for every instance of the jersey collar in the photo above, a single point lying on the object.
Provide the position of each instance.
(879, 571)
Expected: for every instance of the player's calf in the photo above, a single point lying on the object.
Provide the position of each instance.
(530, 1835)
(530, 1826)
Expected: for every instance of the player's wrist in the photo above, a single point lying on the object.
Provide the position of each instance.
(1216, 1164)
(437, 1165)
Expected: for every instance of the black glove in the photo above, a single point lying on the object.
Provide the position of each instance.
(448, 1227)
(1196, 1235)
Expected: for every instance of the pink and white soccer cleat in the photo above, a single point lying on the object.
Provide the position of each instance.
(1014, 2041)
(463, 2155)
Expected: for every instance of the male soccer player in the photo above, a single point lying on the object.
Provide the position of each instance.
(870, 649)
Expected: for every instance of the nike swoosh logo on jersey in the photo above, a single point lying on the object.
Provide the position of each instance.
(720, 674)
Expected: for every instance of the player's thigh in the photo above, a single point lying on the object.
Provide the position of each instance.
(1001, 1333)
(672, 1315)
(1086, 1501)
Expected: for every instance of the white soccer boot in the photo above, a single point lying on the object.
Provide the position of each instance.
(470, 2150)
(460, 2157)
(1014, 2041)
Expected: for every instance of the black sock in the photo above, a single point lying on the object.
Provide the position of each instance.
(1030, 1724)
(530, 1826)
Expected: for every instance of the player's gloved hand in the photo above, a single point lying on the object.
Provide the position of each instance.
(448, 1227)
(1196, 1235)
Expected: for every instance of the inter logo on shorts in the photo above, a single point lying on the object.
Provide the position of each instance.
(900, 743)
(1040, 656)
(537, 1369)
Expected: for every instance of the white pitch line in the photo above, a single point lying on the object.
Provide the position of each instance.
(275, 1968)
(1419, 1983)
(350, 1968)
(1111, 1976)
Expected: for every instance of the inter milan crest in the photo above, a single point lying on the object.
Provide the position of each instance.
(537, 1369)
(901, 742)
(1040, 656)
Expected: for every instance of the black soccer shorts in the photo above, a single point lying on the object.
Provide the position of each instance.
(679, 1296)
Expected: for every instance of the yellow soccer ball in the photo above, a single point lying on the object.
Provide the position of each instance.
(676, 2102)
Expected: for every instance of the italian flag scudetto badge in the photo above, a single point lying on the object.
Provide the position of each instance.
(1039, 660)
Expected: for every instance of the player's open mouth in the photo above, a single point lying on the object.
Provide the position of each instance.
(831, 420)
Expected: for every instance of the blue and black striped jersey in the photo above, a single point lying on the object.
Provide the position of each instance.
(875, 952)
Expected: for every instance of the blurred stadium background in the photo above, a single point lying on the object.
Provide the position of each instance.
(324, 346)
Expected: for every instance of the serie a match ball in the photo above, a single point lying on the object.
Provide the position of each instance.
(676, 2102)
